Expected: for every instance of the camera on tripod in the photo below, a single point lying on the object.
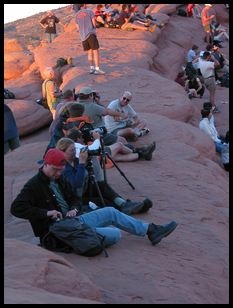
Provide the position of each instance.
(95, 152)
(88, 130)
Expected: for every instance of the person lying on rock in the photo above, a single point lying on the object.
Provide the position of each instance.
(118, 151)
(130, 128)
(47, 197)
(76, 168)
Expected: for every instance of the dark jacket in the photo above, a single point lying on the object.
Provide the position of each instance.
(36, 198)
(10, 128)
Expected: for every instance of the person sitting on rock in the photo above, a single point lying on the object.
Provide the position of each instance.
(210, 130)
(11, 134)
(47, 197)
(96, 112)
(67, 99)
(194, 87)
(130, 128)
(87, 189)
(225, 153)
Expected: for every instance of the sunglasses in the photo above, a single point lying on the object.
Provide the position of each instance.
(126, 99)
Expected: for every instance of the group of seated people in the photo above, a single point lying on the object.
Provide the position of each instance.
(128, 17)
(71, 181)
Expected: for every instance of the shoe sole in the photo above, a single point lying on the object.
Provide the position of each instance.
(165, 234)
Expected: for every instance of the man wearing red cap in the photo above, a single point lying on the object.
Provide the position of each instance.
(47, 197)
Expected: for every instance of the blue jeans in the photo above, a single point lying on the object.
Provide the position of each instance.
(219, 146)
(108, 216)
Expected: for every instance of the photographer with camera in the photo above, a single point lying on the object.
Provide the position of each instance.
(47, 197)
(92, 108)
(74, 170)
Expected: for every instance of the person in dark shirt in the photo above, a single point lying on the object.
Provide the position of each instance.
(46, 197)
(11, 135)
(49, 24)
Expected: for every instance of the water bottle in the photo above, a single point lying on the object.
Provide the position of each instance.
(92, 205)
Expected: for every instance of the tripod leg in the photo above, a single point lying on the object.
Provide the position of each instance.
(99, 192)
(122, 173)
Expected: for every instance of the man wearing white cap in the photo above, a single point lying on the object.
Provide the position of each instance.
(206, 21)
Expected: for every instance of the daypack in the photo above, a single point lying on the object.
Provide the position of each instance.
(182, 12)
(224, 80)
(8, 94)
(78, 236)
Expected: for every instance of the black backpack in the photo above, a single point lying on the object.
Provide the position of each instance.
(8, 94)
(182, 12)
(78, 236)
(224, 80)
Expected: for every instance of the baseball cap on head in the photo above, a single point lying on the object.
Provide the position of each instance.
(85, 90)
(55, 157)
(208, 4)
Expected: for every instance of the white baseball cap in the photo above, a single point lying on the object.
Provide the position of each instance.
(208, 4)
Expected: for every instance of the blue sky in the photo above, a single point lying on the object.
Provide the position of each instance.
(13, 12)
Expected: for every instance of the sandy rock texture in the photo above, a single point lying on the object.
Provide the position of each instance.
(184, 179)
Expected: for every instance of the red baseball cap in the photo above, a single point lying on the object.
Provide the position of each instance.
(55, 157)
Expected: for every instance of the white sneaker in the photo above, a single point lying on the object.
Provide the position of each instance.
(92, 70)
(144, 131)
(99, 72)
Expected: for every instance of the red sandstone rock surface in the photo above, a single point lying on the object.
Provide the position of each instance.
(184, 179)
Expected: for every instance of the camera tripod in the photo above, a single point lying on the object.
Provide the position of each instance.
(91, 175)
(103, 161)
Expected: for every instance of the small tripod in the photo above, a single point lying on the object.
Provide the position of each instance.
(104, 154)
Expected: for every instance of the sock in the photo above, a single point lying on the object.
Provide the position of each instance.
(92, 67)
(119, 201)
(97, 68)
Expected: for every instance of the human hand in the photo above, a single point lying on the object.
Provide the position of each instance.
(95, 135)
(124, 115)
(83, 157)
(54, 214)
(71, 213)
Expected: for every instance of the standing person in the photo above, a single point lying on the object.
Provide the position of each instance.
(47, 197)
(49, 24)
(11, 135)
(50, 90)
(206, 22)
(207, 66)
(86, 24)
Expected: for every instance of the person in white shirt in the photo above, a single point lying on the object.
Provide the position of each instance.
(210, 130)
(207, 67)
(132, 127)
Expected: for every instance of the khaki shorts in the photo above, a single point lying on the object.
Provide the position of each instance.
(207, 28)
(210, 83)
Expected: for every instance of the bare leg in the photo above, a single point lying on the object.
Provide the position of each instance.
(126, 157)
(96, 57)
(126, 132)
(212, 97)
(121, 139)
(90, 57)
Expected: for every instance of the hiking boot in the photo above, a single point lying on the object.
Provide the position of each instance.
(152, 28)
(99, 72)
(132, 207)
(146, 151)
(156, 233)
(147, 204)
